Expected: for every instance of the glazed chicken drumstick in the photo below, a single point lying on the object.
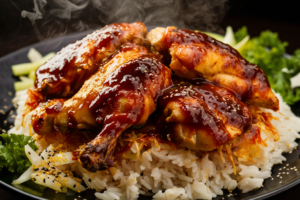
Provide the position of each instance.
(121, 94)
(64, 74)
(195, 54)
(203, 117)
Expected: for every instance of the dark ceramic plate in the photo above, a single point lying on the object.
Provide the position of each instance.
(271, 187)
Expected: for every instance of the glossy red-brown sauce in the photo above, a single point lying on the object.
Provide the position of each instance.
(247, 71)
(133, 80)
(70, 67)
(200, 114)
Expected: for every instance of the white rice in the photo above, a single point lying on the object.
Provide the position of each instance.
(180, 174)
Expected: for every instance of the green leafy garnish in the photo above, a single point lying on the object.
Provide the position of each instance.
(12, 154)
(240, 34)
(268, 52)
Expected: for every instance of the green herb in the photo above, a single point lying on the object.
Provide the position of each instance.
(268, 52)
(240, 34)
(12, 154)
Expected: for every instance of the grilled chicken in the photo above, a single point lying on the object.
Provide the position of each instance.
(203, 117)
(121, 94)
(65, 73)
(194, 54)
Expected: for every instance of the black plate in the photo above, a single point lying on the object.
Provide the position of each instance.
(271, 187)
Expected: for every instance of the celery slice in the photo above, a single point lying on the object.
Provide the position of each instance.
(215, 35)
(25, 68)
(239, 46)
(32, 75)
(22, 85)
(229, 37)
(33, 55)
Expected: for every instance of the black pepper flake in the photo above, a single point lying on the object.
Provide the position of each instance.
(33, 179)
(53, 181)
(61, 188)
(44, 180)
(58, 173)
(44, 172)
(36, 169)
(29, 153)
(43, 158)
(46, 149)
(56, 176)
(55, 151)
(90, 180)
(66, 175)
(53, 167)
(74, 186)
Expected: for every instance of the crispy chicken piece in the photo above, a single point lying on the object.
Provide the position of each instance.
(194, 54)
(203, 117)
(54, 114)
(65, 73)
(121, 94)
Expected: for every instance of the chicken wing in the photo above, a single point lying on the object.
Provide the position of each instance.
(121, 94)
(194, 54)
(64, 74)
(203, 117)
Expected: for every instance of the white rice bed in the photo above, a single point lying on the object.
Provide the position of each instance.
(180, 174)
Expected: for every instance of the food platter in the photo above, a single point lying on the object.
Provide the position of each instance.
(271, 187)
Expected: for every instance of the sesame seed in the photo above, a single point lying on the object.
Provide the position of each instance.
(280, 182)
(287, 164)
(287, 173)
(280, 169)
(9, 93)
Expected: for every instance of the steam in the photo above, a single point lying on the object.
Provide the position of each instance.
(58, 17)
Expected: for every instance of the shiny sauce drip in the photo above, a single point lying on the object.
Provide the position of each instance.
(70, 67)
(199, 114)
(132, 81)
(248, 71)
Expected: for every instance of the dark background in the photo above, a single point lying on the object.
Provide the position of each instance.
(278, 16)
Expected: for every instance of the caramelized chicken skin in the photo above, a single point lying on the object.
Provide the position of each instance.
(121, 94)
(64, 74)
(194, 54)
(54, 114)
(203, 117)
